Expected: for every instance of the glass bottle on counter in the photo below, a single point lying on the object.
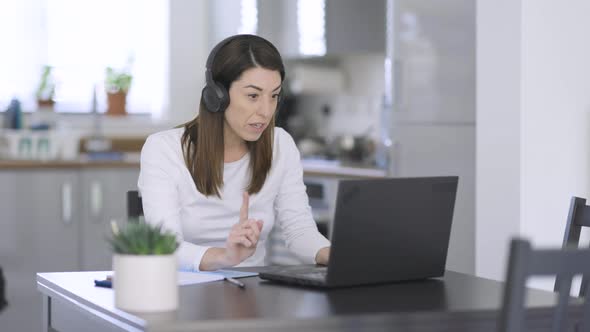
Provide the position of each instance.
(13, 117)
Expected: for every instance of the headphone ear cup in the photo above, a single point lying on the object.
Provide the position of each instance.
(210, 99)
(215, 97)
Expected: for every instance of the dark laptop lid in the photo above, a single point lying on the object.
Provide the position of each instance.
(391, 229)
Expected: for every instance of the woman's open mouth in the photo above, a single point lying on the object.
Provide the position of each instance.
(257, 127)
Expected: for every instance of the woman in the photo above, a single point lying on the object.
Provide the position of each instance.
(222, 181)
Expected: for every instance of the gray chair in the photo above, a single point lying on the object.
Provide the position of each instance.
(134, 205)
(578, 217)
(525, 262)
(2, 288)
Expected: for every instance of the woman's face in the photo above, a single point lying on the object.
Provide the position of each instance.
(253, 102)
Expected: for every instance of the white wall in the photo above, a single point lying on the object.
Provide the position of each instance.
(189, 38)
(498, 133)
(555, 112)
(224, 20)
(532, 117)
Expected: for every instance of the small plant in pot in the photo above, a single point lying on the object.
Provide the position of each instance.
(45, 93)
(117, 84)
(145, 268)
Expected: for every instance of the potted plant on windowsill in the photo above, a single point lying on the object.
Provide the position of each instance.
(144, 267)
(117, 84)
(45, 93)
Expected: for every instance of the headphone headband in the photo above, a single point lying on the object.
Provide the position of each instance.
(216, 49)
(225, 41)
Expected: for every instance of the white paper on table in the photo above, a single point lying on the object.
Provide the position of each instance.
(191, 278)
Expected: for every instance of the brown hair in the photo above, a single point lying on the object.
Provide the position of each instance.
(202, 140)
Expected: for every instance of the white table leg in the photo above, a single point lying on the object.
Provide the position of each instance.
(46, 314)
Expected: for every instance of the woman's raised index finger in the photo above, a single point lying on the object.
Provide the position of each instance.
(244, 208)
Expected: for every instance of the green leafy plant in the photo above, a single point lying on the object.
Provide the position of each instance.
(140, 238)
(117, 80)
(46, 88)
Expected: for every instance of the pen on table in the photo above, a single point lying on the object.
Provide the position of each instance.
(235, 282)
(103, 283)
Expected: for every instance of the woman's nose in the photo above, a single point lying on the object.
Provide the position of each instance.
(267, 108)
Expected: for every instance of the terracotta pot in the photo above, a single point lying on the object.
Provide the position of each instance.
(116, 103)
(45, 103)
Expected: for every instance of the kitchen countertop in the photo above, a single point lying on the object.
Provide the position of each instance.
(63, 164)
(129, 161)
(310, 168)
(340, 170)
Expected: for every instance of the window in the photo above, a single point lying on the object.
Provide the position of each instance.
(248, 17)
(311, 25)
(80, 39)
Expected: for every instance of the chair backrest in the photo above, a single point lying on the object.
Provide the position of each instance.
(578, 217)
(134, 205)
(525, 262)
(2, 290)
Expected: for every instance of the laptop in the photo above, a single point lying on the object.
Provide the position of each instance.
(384, 230)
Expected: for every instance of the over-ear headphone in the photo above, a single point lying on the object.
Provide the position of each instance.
(215, 95)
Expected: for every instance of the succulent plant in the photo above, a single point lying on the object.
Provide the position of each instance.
(140, 238)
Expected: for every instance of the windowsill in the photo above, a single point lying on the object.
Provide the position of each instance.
(129, 125)
(84, 124)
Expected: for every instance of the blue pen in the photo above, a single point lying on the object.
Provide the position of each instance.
(103, 283)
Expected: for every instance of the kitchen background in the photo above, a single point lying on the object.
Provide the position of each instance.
(375, 88)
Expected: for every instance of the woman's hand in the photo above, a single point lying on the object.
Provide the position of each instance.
(323, 256)
(240, 244)
(243, 237)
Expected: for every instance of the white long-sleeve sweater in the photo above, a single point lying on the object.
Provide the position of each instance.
(171, 198)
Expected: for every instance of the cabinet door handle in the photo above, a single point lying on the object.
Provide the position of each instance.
(394, 161)
(66, 203)
(96, 199)
(399, 102)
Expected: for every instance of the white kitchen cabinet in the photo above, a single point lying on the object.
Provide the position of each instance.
(104, 199)
(38, 233)
(49, 200)
(55, 220)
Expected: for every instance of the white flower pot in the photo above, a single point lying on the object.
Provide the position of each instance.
(145, 283)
